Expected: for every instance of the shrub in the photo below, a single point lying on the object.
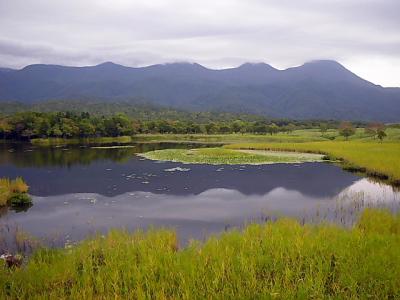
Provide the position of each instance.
(14, 192)
(20, 199)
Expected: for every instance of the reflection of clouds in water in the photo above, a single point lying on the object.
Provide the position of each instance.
(369, 192)
(82, 213)
(222, 204)
(212, 205)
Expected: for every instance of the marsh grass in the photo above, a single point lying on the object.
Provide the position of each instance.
(12, 190)
(275, 260)
(13, 239)
(374, 158)
(217, 156)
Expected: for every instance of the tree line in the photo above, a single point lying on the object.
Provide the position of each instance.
(28, 125)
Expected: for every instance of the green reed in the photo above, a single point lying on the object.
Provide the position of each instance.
(275, 260)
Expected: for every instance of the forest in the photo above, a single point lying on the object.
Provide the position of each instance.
(28, 125)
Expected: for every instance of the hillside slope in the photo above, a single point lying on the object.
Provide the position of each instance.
(317, 89)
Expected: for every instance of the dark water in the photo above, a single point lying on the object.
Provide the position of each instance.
(80, 190)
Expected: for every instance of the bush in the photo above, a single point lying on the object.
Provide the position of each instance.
(20, 199)
(14, 192)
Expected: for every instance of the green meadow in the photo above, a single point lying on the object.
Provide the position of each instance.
(296, 136)
(275, 260)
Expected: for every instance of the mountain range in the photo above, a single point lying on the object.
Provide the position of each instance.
(322, 89)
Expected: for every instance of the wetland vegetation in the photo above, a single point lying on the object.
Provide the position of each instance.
(374, 158)
(275, 260)
(220, 156)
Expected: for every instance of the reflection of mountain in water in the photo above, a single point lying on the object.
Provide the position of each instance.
(109, 178)
(76, 215)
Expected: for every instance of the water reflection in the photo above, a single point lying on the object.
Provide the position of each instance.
(27, 155)
(371, 192)
(73, 216)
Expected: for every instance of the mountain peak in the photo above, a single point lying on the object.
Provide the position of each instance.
(259, 66)
(183, 64)
(328, 71)
(108, 64)
(324, 64)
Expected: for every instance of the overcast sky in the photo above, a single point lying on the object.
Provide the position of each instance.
(363, 35)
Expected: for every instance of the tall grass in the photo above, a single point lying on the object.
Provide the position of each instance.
(281, 260)
(375, 158)
(10, 188)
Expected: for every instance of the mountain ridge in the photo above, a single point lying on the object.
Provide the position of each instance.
(316, 89)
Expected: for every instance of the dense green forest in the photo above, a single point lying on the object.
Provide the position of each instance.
(133, 108)
(72, 124)
(72, 119)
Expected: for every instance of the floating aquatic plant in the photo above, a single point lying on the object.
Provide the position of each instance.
(219, 156)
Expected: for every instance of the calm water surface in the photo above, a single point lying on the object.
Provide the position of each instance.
(81, 190)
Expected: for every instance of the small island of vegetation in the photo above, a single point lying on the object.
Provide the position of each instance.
(219, 156)
(14, 192)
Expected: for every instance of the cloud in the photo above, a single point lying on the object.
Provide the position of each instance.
(217, 34)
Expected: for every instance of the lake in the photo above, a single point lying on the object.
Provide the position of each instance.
(80, 190)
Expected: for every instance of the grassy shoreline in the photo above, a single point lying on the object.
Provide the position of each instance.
(275, 260)
(375, 159)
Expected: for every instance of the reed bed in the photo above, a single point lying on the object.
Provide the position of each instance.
(275, 260)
